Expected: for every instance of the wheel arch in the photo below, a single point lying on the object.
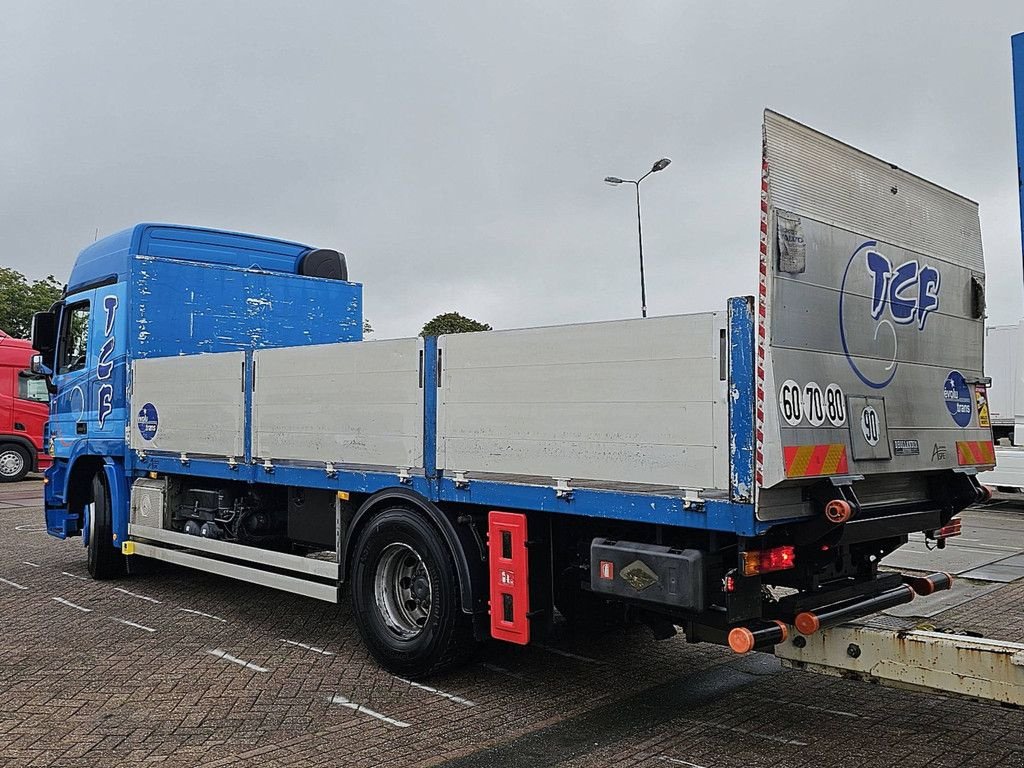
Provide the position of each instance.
(470, 566)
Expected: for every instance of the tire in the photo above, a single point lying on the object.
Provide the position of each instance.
(104, 560)
(15, 463)
(405, 596)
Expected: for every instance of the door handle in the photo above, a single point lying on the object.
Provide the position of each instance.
(80, 428)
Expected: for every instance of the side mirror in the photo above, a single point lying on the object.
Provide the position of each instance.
(44, 333)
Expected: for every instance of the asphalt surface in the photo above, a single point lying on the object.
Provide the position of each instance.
(174, 667)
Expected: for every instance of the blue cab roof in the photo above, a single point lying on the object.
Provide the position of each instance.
(109, 258)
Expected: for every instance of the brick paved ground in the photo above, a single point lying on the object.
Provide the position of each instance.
(83, 688)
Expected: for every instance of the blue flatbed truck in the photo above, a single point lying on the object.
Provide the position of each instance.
(740, 474)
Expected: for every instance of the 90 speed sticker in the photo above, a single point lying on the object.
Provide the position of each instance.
(809, 402)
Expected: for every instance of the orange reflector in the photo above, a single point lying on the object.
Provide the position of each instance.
(975, 452)
(807, 623)
(767, 560)
(838, 511)
(815, 460)
(741, 640)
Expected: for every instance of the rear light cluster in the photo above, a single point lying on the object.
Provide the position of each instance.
(952, 528)
(760, 561)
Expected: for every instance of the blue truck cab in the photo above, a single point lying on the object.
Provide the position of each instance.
(208, 291)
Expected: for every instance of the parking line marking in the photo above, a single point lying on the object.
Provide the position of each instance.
(132, 624)
(73, 576)
(235, 660)
(445, 694)
(312, 648)
(133, 594)
(26, 562)
(567, 654)
(14, 584)
(745, 732)
(204, 615)
(367, 711)
(677, 761)
(69, 604)
(501, 670)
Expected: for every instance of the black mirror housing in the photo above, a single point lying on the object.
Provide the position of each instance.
(44, 333)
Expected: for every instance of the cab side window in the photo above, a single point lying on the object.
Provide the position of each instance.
(74, 338)
(32, 386)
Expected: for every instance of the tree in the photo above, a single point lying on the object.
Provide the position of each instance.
(452, 322)
(20, 299)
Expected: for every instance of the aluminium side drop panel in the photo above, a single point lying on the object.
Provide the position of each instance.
(632, 401)
(871, 340)
(192, 404)
(349, 403)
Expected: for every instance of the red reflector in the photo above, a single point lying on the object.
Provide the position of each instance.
(767, 560)
(952, 528)
(509, 577)
(607, 571)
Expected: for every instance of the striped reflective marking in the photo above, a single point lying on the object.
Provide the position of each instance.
(815, 460)
(975, 452)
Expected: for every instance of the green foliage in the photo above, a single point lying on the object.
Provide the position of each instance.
(452, 322)
(20, 299)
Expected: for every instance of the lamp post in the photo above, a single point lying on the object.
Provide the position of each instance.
(615, 181)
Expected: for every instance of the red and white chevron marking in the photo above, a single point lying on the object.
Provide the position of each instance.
(762, 323)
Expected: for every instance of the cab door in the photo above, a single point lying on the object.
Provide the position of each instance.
(72, 374)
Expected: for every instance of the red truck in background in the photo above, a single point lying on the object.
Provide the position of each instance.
(24, 407)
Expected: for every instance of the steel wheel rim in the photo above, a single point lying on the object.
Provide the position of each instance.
(402, 590)
(11, 463)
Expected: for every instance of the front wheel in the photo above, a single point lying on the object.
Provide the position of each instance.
(405, 595)
(104, 560)
(15, 463)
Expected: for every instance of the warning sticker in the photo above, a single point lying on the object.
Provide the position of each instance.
(981, 402)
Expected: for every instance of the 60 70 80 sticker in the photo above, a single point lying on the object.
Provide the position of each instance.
(809, 402)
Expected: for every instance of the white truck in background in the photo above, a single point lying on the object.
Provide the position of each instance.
(1004, 363)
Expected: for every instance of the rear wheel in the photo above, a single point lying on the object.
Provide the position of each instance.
(15, 463)
(405, 595)
(104, 560)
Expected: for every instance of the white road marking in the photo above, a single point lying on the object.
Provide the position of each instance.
(204, 615)
(30, 528)
(69, 604)
(820, 709)
(444, 694)
(133, 594)
(567, 654)
(235, 660)
(677, 761)
(26, 562)
(312, 648)
(13, 584)
(132, 624)
(745, 732)
(73, 575)
(367, 711)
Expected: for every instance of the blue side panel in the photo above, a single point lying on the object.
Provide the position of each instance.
(430, 384)
(1017, 44)
(741, 399)
(194, 308)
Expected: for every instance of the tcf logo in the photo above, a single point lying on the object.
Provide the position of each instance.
(903, 294)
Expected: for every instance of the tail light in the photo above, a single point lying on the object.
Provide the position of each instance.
(767, 560)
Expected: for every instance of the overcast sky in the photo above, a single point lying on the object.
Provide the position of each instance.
(455, 151)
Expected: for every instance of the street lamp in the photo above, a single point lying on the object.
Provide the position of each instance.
(615, 181)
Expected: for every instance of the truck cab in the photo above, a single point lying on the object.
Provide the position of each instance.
(24, 407)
